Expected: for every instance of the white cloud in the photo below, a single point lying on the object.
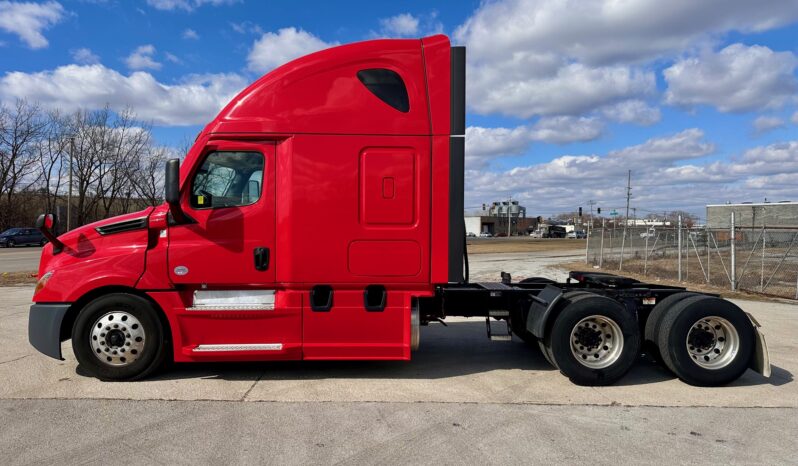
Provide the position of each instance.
(633, 111)
(763, 124)
(665, 175)
(142, 58)
(194, 100)
(736, 79)
(794, 118)
(566, 129)
(84, 56)
(274, 49)
(246, 27)
(402, 25)
(28, 20)
(190, 34)
(170, 57)
(549, 57)
(186, 5)
(610, 31)
(485, 144)
(546, 86)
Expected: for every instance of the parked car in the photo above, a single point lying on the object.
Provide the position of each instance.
(576, 234)
(22, 237)
(471, 235)
(536, 234)
(485, 234)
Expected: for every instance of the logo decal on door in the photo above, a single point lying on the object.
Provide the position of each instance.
(181, 270)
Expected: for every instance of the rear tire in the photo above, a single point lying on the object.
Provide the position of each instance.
(655, 318)
(11, 243)
(537, 280)
(128, 350)
(706, 341)
(594, 341)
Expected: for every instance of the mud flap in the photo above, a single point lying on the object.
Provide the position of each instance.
(761, 360)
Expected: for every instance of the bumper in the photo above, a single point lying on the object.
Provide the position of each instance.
(44, 328)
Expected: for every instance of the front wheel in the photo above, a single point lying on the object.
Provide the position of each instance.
(594, 341)
(11, 243)
(119, 337)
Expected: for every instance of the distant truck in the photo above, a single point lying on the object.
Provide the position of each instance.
(368, 137)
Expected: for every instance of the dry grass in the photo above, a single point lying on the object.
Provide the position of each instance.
(522, 244)
(17, 278)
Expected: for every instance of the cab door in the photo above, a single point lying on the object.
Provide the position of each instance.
(230, 195)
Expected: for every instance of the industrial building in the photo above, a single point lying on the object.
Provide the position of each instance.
(494, 219)
(749, 214)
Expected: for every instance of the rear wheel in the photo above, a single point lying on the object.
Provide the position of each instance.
(119, 337)
(655, 318)
(594, 341)
(42, 242)
(11, 243)
(706, 341)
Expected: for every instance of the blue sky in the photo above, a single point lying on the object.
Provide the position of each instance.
(698, 99)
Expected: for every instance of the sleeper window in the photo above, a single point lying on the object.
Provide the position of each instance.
(228, 179)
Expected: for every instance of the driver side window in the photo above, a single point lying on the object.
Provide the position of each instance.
(227, 179)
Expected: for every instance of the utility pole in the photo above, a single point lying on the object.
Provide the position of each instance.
(626, 219)
(69, 193)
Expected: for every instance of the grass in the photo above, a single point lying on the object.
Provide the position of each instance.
(17, 278)
(522, 244)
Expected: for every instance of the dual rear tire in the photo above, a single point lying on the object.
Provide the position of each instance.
(703, 340)
(593, 341)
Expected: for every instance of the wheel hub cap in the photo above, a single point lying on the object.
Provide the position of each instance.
(713, 342)
(117, 338)
(596, 342)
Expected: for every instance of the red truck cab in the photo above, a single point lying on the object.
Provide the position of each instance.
(305, 222)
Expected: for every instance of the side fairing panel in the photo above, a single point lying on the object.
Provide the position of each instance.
(353, 209)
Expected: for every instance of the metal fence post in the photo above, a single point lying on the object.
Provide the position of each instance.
(762, 268)
(645, 255)
(732, 250)
(601, 253)
(679, 247)
(709, 254)
(587, 244)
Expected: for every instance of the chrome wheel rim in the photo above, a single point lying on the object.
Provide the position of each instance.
(596, 342)
(713, 342)
(117, 339)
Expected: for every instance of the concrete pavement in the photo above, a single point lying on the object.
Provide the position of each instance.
(463, 399)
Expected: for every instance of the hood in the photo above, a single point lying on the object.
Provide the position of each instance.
(98, 239)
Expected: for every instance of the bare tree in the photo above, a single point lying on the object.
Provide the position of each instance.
(52, 155)
(149, 176)
(20, 130)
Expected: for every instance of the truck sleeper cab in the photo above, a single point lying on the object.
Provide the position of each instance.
(319, 216)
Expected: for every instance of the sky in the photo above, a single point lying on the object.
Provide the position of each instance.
(699, 99)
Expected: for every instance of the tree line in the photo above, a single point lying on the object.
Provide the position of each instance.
(116, 165)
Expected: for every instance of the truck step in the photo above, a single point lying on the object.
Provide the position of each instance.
(498, 330)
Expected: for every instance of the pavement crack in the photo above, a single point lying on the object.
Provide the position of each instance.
(16, 359)
(244, 396)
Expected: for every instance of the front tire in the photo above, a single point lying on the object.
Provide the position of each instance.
(594, 341)
(119, 337)
(11, 243)
(706, 341)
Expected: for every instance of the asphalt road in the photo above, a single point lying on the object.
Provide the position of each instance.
(463, 399)
(20, 259)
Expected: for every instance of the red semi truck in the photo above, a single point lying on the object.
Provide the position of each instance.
(367, 141)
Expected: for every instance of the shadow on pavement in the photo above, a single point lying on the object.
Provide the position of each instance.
(460, 349)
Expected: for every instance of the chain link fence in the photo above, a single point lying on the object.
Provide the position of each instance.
(755, 259)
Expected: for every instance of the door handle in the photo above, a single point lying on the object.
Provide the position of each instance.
(261, 259)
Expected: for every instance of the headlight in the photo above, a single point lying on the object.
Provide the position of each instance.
(43, 281)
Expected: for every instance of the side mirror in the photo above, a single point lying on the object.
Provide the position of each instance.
(172, 192)
(46, 223)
